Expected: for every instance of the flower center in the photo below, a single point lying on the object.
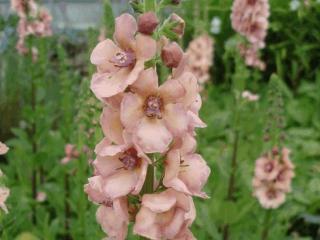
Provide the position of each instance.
(251, 2)
(153, 107)
(268, 167)
(271, 194)
(123, 59)
(130, 159)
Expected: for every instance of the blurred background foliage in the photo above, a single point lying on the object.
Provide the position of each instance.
(66, 112)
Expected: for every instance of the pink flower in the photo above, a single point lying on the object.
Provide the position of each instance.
(250, 19)
(165, 215)
(70, 153)
(273, 177)
(270, 197)
(156, 114)
(267, 168)
(122, 167)
(250, 96)
(4, 194)
(119, 64)
(41, 196)
(3, 148)
(94, 189)
(114, 219)
(186, 171)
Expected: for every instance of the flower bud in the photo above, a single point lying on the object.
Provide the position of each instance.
(147, 23)
(179, 28)
(171, 55)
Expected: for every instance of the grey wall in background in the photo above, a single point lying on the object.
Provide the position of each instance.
(81, 14)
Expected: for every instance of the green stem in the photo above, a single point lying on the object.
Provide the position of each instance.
(266, 225)
(150, 5)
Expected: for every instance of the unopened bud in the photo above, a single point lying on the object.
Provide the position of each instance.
(179, 28)
(171, 55)
(147, 23)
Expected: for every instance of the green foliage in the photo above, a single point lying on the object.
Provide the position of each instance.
(65, 111)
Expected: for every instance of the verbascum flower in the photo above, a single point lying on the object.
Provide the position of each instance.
(165, 215)
(147, 126)
(273, 175)
(33, 20)
(119, 65)
(4, 194)
(250, 19)
(249, 96)
(200, 53)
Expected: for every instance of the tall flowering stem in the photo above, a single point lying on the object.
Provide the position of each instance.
(149, 129)
(34, 22)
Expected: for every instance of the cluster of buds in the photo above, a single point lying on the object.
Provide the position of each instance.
(4, 191)
(201, 53)
(149, 131)
(273, 175)
(33, 20)
(250, 19)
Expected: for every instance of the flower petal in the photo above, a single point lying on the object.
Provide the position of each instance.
(152, 136)
(111, 125)
(107, 166)
(131, 110)
(120, 184)
(145, 224)
(147, 82)
(125, 29)
(146, 47)
(159, 202)
(142, 173)
(171, 90)
(176, 119)
(105, 148)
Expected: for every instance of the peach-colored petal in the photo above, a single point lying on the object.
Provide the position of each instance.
(94, 189)
(103, 53)
(105, 148)
(107, 166)
(171, 230)
(131, 110)
(171, 90)
(145, 224)
(120, 184)
(125, 29)
(195, 174)
(189, 144)
(146, 47)
(159, 202)
(195, 121)
(190, 85)
(176, 119)
(111, 125)
(112, 221)
(105, 85)
(142, 173)
(147, 82)
(152, 136)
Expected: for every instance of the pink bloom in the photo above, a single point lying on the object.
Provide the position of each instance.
(122, 167)
(250, 19)
(114, 219)
(3, 148)
(273, 177)
(156, 114)
(267, 168)
(165, 215)
(94, 189)
(41, 196)
(186, 171)
(251, 56)
(4, 194)
(270, 197)
(70, 153)
(119, 65)
(250, 96)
